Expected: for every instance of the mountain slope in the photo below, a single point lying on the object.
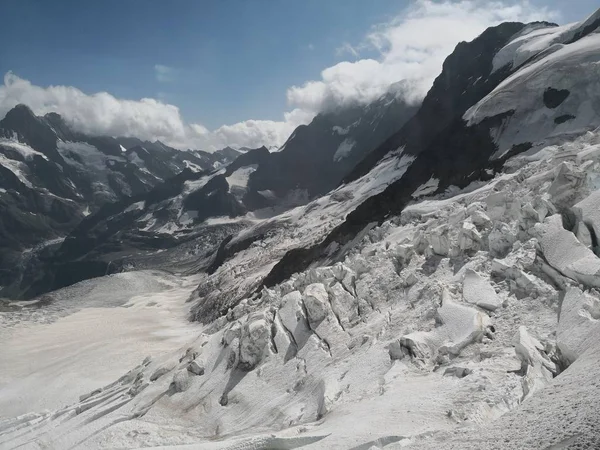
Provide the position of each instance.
(318, 155)
(447, 295)
(466, 148)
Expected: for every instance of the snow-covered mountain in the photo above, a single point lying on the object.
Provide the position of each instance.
(52, 177)
(317, 156)
(505, 93)
(188, 215)
(444, 296)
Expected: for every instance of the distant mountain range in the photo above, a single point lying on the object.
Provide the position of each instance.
(51, 177)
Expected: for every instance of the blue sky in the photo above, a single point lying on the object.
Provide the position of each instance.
(232, 59)
(220, 61)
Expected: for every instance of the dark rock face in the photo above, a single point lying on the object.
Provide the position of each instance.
(554, 97)
(313, 161)
(587, 28)
(465, 79)
(318, 155)
(33, 130)
(564, 118)
(257, 156)
(213, 200)
(111, 239)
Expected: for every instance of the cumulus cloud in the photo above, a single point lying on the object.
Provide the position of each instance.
(100, 113)
(250, 133)
(410, 47)
(148, 119)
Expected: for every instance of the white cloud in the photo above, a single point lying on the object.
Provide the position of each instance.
(149, 119)
(164, 74)
(99, 113)
(250, 133)
(412, 47)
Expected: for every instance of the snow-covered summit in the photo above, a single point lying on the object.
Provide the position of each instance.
(554, 88)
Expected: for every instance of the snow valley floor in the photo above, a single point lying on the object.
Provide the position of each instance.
(88, 335)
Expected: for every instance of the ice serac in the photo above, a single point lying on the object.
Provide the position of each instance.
(579, 323)
(254, 341)
(587, 212)
(459, 326)
(304, 357)
(478, 291)
(438, 322)
(567, 254)
(536, 367)
(434, 136)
